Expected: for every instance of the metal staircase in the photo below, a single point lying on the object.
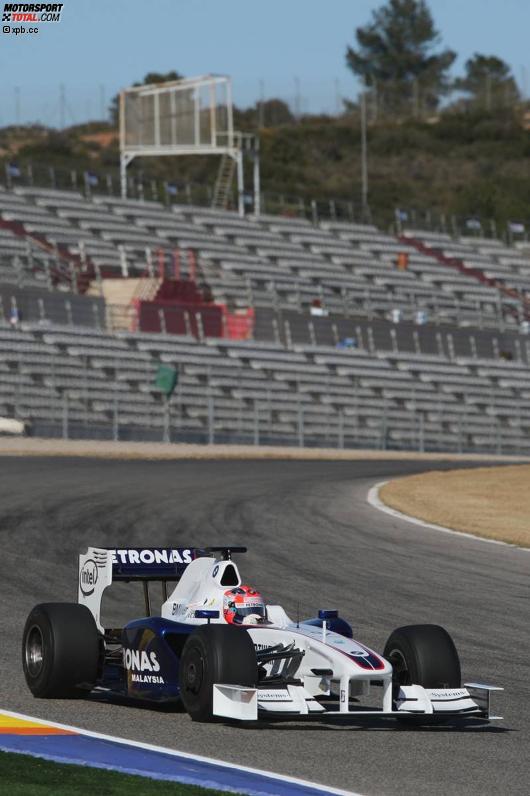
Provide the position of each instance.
(222, 193)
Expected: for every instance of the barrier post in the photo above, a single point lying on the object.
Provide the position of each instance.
(115, 418)
(167, 421)
(384, 424)
(300, 425)
(65, 415)
(211, 420)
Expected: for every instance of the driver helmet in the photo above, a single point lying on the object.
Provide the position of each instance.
(243, 605)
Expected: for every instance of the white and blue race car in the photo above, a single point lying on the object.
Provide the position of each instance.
(219, 664)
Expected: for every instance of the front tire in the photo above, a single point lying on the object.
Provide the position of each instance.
(214, 654)
(60, 650)
(423, 655)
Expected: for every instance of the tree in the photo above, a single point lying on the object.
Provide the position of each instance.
(151, 77)
(396, 57)
(488, 82)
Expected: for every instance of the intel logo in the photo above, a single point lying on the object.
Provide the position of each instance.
(88, 577)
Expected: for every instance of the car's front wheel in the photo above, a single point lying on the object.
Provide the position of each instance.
(423, 655)
(60, 650)
(214, 654)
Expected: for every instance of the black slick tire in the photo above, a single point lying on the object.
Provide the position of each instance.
(423, 655)
(214, 654)
(60, 650)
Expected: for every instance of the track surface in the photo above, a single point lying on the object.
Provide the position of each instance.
(312, 538)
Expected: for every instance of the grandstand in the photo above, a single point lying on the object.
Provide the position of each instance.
(282, 330)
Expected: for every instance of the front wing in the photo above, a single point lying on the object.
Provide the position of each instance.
(413, 702)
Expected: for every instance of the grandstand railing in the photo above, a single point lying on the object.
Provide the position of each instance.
(144, 188)
(257, 427)
(49, 306)
(40, 302)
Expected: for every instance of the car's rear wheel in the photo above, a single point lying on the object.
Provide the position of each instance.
(423, 655)
(60, 650)
(214, 654)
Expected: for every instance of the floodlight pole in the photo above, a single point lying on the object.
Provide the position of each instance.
(123, 157)
(256, 179)
(240, 181)
(364, 158)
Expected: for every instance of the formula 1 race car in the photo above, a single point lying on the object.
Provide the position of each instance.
(222, 652)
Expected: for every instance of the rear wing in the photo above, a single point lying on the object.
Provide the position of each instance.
(99, 567)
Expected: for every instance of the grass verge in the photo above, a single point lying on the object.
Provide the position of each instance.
(493, 502)
(23, 775)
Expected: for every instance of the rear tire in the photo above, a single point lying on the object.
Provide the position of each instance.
(60, 650)
(214, 654)
(423, 655)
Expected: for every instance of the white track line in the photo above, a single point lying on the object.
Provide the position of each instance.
(175, 753)
(375, 501)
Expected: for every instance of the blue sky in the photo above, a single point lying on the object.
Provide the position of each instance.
(101, 46)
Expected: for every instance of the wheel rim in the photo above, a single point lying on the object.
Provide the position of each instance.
(194, 672)
(400, 669)
(34, 651)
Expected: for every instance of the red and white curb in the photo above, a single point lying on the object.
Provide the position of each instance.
(375, 501)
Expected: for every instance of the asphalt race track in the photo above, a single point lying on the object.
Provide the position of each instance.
(312, 538)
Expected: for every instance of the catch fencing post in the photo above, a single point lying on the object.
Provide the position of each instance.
(383, 427)
(256, 423)
(211, 434)
(167, 420)
(115, 418)
(65, 415)
(341, 429)
(300, 425)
